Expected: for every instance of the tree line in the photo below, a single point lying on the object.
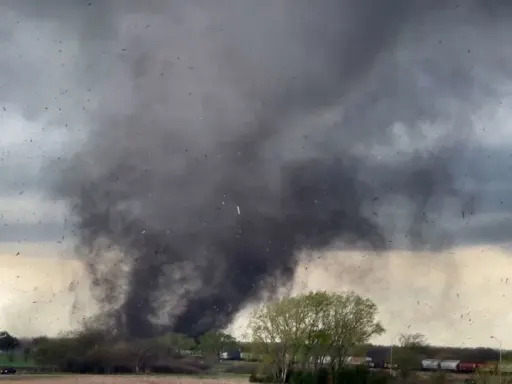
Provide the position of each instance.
(97, 351)
(301, 332)
(300, 339)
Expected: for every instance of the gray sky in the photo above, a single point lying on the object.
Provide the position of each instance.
(57, 76)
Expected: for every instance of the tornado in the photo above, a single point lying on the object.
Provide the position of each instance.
(228, 137)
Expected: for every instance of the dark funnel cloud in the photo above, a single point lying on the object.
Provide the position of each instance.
(230, 136)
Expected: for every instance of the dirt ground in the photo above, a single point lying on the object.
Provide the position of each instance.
(90, 379)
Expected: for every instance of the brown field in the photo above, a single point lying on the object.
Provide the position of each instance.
(103, 379)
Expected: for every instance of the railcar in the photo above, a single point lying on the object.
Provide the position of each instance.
(430, 364)
(449, 365)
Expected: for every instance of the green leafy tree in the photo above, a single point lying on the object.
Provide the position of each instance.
(26, 354)
(8, 342)
(53, 351)
(71, 349)
(350, 320)
(176, 344)
(279, 332)
(316, 328)
(214, 343)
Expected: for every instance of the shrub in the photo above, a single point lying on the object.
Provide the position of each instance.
(240, 368)
(181, 366)
(261, 378)
(380, 378)
(303, 377)
(175, 369)
(359, 375)
(321, 376)
(438, 378)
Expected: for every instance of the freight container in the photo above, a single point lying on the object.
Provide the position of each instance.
(468, 367)
(488, 367)
(449, 365)
(430, 364)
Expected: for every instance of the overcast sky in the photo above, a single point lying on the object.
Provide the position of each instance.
(54, 76)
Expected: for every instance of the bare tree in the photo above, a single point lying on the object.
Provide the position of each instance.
(411, 340)
(410, 353)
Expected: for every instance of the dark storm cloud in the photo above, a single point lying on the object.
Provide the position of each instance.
(24, 232)
(226, 137)
(489, 220)
(16, 182)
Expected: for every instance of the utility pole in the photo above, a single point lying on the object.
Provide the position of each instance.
(499, 365)
(391, 359)
(391, 355)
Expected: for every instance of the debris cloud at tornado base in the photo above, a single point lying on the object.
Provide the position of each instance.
(229, 137)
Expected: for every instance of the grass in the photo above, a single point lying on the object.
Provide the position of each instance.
(33, 377)
(18, 361)
(121, 379)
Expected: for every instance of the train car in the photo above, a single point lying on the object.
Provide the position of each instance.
(488, 367)
(468, 367)
(449, 365)
(430, 364)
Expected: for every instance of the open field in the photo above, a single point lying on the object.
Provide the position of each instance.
(420, 378)
(128, 379)
(17, 361)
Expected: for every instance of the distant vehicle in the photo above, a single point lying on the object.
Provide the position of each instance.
(8, 371)
(356, 360)
(388, 366)
(231, 355)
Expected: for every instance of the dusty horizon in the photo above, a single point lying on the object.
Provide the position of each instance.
(454, 291)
